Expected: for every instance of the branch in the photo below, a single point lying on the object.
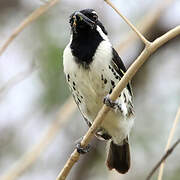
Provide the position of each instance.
(142, 58)
(163, 159)
(148, 50)
(171, 134)
(145, 24)
(28, 158)
(35, 14)
(144, 40)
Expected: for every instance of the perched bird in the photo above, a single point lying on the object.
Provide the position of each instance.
(93, 68)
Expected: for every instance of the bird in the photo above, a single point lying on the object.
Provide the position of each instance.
(92, 69)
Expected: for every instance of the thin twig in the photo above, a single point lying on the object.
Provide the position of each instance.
(35, 14)
(144, 40)
(145, 24)
(148, 50)
(171, 134)
(28, 158)
(168, 152)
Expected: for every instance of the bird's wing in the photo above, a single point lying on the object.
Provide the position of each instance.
(119, 67)
(77, 103)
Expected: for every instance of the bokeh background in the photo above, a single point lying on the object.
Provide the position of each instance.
(33, 89)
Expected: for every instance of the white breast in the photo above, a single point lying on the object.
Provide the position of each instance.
(88, 81)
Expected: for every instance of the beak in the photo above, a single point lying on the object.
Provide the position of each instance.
(84, 18)
(75, 20)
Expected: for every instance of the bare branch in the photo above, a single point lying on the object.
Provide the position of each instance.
(169, 151)
(148, 50)
(35, 14)
(142, 58)
(171, 134)
(145, 24)
(146, 42)
(28, 158)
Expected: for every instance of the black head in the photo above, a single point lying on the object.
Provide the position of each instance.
(87, 33)
(85, 20)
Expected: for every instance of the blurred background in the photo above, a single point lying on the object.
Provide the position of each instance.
(33, 89)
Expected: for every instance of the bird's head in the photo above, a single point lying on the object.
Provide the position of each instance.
(85, 20)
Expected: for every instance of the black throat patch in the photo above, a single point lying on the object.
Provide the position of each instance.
(84, 45)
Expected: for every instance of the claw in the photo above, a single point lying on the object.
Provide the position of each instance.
(82, 150)
(108, 102)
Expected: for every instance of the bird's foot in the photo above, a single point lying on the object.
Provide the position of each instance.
(82, 150)
(102, 134)
(108, 102)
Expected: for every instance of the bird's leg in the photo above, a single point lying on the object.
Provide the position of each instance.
(80, 149)
(108, 102)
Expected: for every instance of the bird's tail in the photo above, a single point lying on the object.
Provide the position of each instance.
(119, 157)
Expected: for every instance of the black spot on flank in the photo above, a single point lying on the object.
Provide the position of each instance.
(113, 83)
(130, 111)
(117, 77)
(74, 88)
(88, 122)
(112, 70)
(75, 99)
(125, 99)
(120, 108)
(102, 78)
(105, 81)
(110, 91)
(68, 77)
(79, 100)
(74, 83)
(81, 97)
(130, 103)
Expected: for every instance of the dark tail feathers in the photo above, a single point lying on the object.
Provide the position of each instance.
(119, 157)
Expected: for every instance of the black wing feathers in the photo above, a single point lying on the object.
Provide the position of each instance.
(119, 67)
